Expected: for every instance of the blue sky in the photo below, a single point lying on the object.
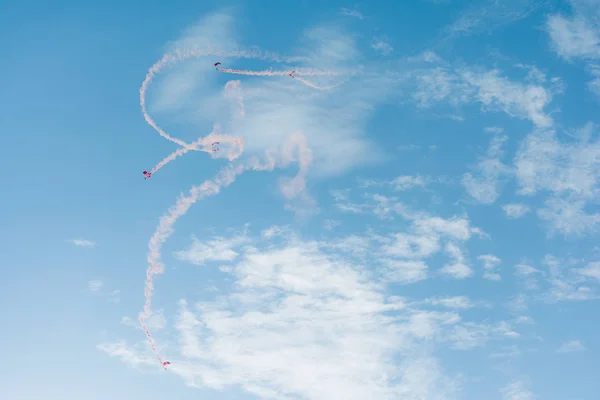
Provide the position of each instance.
(428, 229)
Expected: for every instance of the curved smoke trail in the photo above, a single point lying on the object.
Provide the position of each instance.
(225, 176)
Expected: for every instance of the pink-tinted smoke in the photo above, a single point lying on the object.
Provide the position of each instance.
(181, 55)
(223, 179)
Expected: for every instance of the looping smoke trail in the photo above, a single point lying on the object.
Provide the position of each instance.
(224, 177)
(205, 143)
(181, 55)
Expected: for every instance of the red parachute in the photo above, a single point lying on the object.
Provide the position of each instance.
(292, 73)
(148, 174)
(165, 363)
(215, 149)
(217, 63)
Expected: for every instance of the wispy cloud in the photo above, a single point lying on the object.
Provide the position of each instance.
(458, 268)
(382, 46)
(484, 186)
(268, 325)
(577, 37)
(516, 390)
(515, 210)
(490, 262)
(351, 13)
(215, 249)
(568, 171)
(129, 355)
(83, 243)
(286, 290)
(442, 82)
(330, 224)
(95, 285)
(275, 108)
(398, 184)
(156, 322)
(559, 280)
(489, 15)
(592, 270)
(571, 346)
(457, 302)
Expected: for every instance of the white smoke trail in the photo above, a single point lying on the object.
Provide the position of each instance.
(268, 72)
(224, 178)
(181, 55)
(234, 92)
(205, 145)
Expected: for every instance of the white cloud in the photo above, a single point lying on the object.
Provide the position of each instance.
(568, 217)
(411, 246)
(470, 335)
(485, 185)
(571, 346)
(527, 274)
(490, 262)
(302, 323)
(525, 270)
(575, 37)
(403, 253)
(507, 352)
(408, 147)
(342, 202)
(127, 354)
(351, 13)
(83, 242)
(305, 319)
(457, 269)
(594, 84)
(406, 182)
(592, 270)
(515, 99)
(456, 302)
(233, 91)
(495, 93)
(566, 282)
(113, 296)
(405, 272)
(381, 46)
(274, 107)
(398, 184)
(155, 322)
(95, 285)
(216, 249)
(489, 15)
(515, 210)
(516, 390)
(524, 319)
(330, 224)
(568, 171)
(545, 163)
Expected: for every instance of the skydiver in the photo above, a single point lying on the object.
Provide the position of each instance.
(148, 174)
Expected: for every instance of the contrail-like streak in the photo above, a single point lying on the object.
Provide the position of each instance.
(225, 176)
